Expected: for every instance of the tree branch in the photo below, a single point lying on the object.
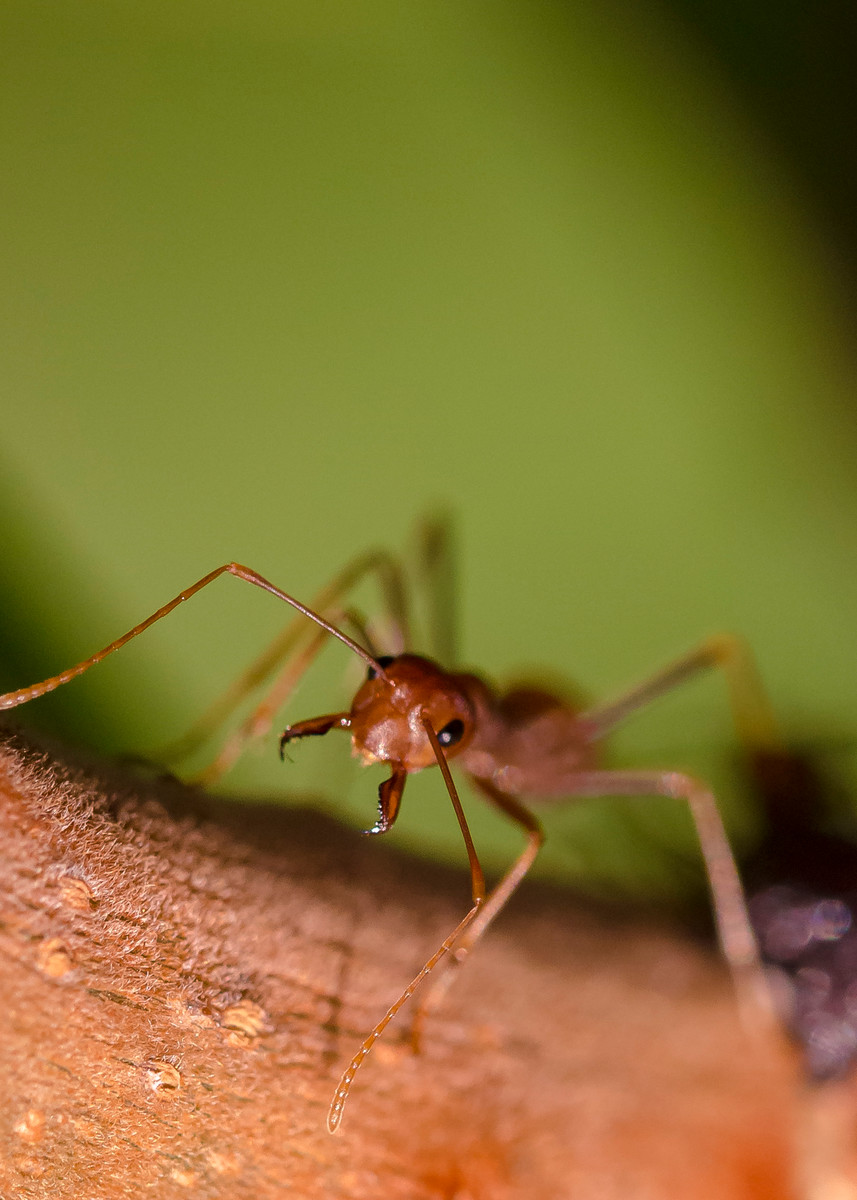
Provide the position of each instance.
(182, 979)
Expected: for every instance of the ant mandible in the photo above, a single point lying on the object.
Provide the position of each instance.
(411, 713)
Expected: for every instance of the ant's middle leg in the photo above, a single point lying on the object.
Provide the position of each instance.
(260, 720)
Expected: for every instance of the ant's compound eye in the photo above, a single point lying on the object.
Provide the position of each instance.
(384, 661)
(452, 733)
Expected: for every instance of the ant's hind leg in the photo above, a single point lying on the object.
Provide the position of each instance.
(758, 731)
(734, 930)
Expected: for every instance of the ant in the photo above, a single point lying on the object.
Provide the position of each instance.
(523, 744)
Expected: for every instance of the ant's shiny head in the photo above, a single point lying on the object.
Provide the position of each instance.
(387, 714)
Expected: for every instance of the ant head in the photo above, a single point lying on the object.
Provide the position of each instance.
(387, 713)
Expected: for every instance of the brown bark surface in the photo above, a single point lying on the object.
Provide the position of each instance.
(182, 980)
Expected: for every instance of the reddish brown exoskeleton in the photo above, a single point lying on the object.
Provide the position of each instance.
(524, 744)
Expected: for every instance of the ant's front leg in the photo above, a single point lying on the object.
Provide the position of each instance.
(314, 727)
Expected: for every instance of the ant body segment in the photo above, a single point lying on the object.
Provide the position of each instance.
(517, 747)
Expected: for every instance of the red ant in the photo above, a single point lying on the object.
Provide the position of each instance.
(411, 713)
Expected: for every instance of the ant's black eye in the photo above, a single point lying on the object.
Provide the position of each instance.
(452, 733)
(383, 661)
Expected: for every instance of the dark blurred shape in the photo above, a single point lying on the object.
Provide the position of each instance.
(802, 889)
(44, 583)
(794, 65)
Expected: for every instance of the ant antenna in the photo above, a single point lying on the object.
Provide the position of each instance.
(13, 699)
(334, 1116)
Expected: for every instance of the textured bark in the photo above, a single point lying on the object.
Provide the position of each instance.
(182, 980)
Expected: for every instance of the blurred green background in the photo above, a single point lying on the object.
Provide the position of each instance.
(281, 277)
